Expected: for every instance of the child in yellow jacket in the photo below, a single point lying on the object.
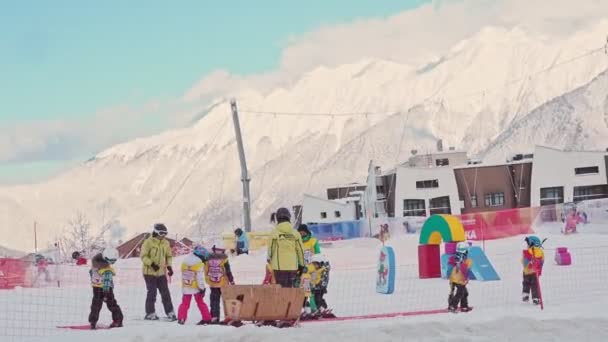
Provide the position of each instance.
(217, 274)
(459, 278)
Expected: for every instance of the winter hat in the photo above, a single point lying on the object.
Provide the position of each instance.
(238, 232)
(304, 228)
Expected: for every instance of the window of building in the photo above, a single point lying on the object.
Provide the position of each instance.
(440, 205)
(473, 201)
(552, 195)
(414, 207)
(337, 214)
(427, 184)
(323, 215)
(442, 162)
(589, 170)
(496, 199)
(582, 193)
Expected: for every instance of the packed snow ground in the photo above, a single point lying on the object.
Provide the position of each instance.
(575, 297)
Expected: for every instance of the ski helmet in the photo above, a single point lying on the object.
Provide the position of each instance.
(533, 241)
(462, 248)
(110, 255)
(283, 213)
(320, 258)
(160, 229)
(200, 251)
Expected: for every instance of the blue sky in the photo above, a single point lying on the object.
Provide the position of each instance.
(67, 60)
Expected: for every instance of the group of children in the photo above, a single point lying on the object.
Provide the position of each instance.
(532, 261)
(213, 268)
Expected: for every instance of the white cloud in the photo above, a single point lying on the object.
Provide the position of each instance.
(413, 37)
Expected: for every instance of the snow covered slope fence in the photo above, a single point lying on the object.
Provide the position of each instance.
(35, 312)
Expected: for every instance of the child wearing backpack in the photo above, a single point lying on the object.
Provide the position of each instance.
(102, 274)
(459, 278)
(532, 260)
(193, 284)
(217, 274)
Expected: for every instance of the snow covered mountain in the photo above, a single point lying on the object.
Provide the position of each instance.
(577, 120)
(493, 89)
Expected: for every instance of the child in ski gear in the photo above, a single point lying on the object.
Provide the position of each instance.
(460, 265)
(102, 274)
(285, 251)
(242, 242)
(320, 281)
(193, 284)
(269, 277)
(310, 244)
(572, 219)
(217, 274)
(532, 261)
(305, 283)
(156, 257)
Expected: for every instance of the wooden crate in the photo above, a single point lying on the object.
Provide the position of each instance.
(262, 302)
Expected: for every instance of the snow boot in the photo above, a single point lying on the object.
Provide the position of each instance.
(536, 301)
(203, 322)
(525, 298)
(181, 321)
(452, 309)
(465, 309)
(116, 324)
(171, 316)
(93, 326)
(151, 317)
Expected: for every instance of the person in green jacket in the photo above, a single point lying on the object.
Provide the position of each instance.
(285, 250)
(156, 257)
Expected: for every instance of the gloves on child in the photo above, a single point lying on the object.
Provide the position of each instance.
(155, 267)
(170, 271)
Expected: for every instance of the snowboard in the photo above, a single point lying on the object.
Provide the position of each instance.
(84, 327)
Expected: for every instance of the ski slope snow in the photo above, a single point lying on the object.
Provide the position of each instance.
(575, 299)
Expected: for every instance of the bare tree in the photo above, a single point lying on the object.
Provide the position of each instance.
(79, 236)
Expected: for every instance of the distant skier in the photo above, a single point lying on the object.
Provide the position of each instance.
(532, 261)
(102, 274)
(156, 256)
(572, 220)
(217, 274)
(242, 242)
(459, 278)
(193, 284)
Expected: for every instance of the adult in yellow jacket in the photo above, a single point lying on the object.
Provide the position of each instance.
(285, 250)
(156, 258)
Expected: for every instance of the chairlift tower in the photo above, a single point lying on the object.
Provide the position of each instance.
(244, 173)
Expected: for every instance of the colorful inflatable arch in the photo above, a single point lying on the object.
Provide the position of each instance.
(437, 228)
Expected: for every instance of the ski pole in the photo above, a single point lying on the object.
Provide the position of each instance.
(540, 294)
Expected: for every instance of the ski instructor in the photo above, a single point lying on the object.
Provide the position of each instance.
(285, 251)
(156, 258)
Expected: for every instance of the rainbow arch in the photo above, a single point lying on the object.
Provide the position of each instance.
(438, 228)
